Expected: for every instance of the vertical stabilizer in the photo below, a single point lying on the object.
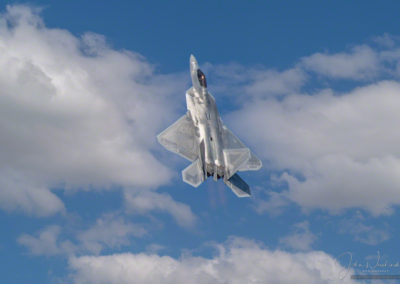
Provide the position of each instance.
(202, 156)
(238, 186)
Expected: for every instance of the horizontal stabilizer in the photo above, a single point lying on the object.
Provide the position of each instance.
(253, 164)
(230, 141)
(238, 186)
(193, 174)
(234, 159)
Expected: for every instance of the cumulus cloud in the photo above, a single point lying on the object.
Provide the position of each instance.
(271, 82)
(301, 238)
(238, 261)
(47, 242)
(110, 231)
(386, 40)
(341, 150)
(21, 194)
(238, 84)
(361, 63)
(358, 227)
(274, 205)
(146, 201)
(74, 113)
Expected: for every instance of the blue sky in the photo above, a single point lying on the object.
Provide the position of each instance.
(88, 196)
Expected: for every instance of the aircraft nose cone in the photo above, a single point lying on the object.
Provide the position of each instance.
(193, 63)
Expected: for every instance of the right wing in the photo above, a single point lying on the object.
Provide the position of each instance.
(180, 138)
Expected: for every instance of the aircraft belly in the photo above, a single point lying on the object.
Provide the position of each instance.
(201, 137)
(208, 146)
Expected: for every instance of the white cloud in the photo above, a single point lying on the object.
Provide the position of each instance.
(110, 231)
(146, 201)
(74, 113)
(238, 84)
(239, 261)
(301, 238)
(370, 234)
(274, 206)
(19, 193)
(386, 40)
(47, 242)
(362, 63)
(271, 82)
(154, 248)
(341, 150)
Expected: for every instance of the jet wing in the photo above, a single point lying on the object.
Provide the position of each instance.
(231, 142)
(180, 138)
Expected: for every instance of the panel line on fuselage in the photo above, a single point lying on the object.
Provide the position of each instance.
(202, 107)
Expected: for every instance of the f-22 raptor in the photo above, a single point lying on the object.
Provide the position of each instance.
(201, 137)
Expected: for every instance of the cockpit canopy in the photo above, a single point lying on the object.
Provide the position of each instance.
(202, 78)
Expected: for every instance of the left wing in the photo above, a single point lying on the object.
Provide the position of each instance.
(180, 138)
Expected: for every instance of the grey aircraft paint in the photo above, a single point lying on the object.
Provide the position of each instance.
(201, 137)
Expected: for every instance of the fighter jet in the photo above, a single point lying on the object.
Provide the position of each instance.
(201, 137)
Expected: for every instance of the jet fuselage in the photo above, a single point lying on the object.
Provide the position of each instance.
(204, 113)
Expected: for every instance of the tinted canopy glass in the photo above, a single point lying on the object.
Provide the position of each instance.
(202, 78)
